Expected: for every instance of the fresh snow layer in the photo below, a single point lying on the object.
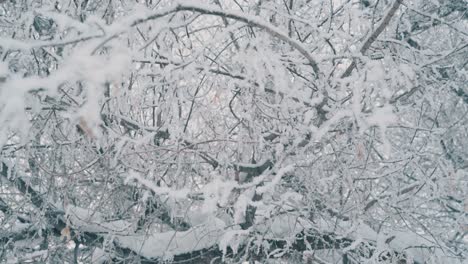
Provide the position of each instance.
(167, 244)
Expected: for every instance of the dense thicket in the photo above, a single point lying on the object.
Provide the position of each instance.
(281, 131)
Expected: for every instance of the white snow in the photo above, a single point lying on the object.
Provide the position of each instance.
(92, 221)
(165, 245)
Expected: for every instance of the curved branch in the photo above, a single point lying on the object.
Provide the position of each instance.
(250, 20)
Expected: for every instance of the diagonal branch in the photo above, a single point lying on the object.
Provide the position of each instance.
(383, 24)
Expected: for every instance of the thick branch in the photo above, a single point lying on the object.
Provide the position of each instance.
(383, 24)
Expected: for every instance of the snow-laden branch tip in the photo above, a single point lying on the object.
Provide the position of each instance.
(135, 176)
(279, 174)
